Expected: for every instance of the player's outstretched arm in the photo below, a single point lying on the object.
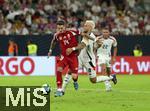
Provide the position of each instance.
(53, 43)
(114, 54)
(79, 47)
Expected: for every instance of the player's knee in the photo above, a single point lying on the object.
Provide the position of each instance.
(59, 69)
(93, 80)
(103, 70)
(108, 70)
(74, 75)
(92, 75)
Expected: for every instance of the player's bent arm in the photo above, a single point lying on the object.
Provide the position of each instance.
(115, 52)
(79, 47)
(115, 48)
(83, 44)
(53, 43)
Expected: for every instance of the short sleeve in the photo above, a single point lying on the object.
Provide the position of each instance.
(114, 43)
(55, 37)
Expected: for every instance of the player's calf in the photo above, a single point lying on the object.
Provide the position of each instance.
(108, 70)
(103, 69)
(92, 75)
(75, 79)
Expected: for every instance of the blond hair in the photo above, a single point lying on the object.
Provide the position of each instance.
(91, 22)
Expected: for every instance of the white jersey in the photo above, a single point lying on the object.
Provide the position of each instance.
(87, 57)
(105, 49)
(87, 53)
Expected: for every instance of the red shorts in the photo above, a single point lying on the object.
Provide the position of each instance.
(71, 62)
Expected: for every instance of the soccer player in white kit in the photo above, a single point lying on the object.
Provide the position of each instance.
(104, 46)
(87, 57)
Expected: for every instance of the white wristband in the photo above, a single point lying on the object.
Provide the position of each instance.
(73, 48)
(50, 50)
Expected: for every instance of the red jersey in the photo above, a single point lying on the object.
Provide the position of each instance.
(67, 39)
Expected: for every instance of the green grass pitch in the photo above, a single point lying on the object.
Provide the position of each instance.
(132, 93)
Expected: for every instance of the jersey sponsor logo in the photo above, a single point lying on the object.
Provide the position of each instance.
(26, 66)
(13, 67)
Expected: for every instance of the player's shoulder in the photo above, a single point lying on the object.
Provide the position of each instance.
(92, 35)
(56, 35)
(112, 38)
(73, 31)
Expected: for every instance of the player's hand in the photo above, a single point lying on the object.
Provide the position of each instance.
(49, 54)
(69, 51)
(113, 59)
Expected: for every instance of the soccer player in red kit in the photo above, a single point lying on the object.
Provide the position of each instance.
(66, 39)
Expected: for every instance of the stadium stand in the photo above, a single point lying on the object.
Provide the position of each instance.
(36, 17)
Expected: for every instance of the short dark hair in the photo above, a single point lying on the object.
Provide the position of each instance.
(61, 22)
(105, 28)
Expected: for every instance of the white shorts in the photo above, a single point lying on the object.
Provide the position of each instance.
(102, 59)
(88, 65)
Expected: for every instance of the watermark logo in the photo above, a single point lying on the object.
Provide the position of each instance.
(17, 98)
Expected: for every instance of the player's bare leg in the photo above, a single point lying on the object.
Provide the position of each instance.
(75, 79)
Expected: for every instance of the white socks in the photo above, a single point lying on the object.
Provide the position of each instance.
(103, 78)
(66, 80)
(107, 86)
(106, 81)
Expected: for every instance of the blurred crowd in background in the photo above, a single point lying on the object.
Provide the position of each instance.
(34, 17)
